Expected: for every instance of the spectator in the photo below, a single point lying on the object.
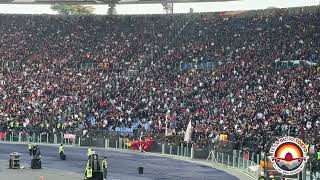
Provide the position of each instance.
(102, 73)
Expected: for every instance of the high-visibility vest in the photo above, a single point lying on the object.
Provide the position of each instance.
(90, 151)
(89, 173)
(105, 164)
(61, 149)
(58, 126)
(30, 146)
(88, 170)
(307, 146)
(318, 155)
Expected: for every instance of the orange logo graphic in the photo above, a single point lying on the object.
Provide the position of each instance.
(288, 155)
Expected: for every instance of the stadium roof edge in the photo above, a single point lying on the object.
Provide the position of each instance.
(157, 8)
(102, 1)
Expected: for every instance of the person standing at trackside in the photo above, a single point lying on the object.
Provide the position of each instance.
(88, 173)
(317, 162)
(90, 151)
(30, 147)
(318, 155)
(61, 149)
(105, 168)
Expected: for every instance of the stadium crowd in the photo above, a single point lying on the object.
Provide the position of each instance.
(101, 72)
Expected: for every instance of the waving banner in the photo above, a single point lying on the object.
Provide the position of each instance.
(2, 135)
(145, 145)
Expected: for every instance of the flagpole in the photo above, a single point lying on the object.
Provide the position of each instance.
(166, 130)
(140, 146)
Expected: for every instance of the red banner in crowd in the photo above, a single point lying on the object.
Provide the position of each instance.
(2, 135)
(145, 145)
(246, 155)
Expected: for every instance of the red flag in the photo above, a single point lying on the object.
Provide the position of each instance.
(2, 135)
(246, 155)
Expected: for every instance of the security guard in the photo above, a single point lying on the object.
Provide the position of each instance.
(61, 149)
(30, 147)
(105, 168)
(88, 174)
(317, 156)
(90, 151)
(308, 148)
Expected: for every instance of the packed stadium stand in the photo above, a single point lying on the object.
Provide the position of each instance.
(251, 77)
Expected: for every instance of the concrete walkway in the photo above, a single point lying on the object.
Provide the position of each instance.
(30, 174)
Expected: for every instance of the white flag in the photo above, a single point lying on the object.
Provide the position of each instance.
(188, 134)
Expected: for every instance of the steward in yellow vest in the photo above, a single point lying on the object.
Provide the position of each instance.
(88, 174)
(61, 149)
(90, 151)
(318, 155)
(30, 146)
(308, 148)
